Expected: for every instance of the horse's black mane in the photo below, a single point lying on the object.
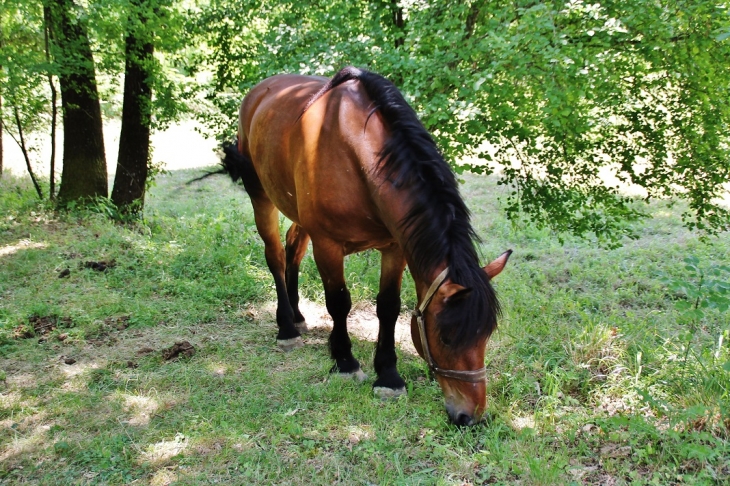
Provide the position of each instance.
(438, 220)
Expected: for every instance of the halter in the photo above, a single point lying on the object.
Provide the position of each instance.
(474, 376)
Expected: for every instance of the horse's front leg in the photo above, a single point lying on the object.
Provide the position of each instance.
(329, 256)
(389, 383)
(267, 222)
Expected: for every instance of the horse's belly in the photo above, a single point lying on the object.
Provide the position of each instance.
(356, 230)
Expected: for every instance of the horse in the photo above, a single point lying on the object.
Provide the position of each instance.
(347, 161)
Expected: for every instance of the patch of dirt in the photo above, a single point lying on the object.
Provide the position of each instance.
(361, 323)
(119, 323)
(39, 326)
(179, 349)
(23, 332)
(130, 348)
(106, 334)
(101, 266)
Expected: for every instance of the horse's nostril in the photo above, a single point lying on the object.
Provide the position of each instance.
(463, 419)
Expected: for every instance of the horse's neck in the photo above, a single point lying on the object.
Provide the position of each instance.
(394, 204)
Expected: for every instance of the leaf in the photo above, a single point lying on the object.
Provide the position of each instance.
(726, 366)
(694, 314)
(682, 305)
(717, 301)
(722, 36)
(692, 260)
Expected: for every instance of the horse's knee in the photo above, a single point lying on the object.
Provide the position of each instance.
(339, 304)
(388, 306)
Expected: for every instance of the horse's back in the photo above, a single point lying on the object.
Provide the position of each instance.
(318, 166)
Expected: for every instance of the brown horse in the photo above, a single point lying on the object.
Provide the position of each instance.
(349, 163)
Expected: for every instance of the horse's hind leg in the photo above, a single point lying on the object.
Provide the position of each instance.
(296, 246)
(267, 222)
(329, 257)
(389, 383)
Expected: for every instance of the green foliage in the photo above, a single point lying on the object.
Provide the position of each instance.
(565, 100)
(23, 69)
(702, 289)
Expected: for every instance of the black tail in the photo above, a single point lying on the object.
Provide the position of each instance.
(238, 166)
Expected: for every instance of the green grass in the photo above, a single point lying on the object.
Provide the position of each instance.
(590, 379)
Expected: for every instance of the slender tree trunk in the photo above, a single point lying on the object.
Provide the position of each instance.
(54, 104)
(134, 140)
(1, 132)
(399, 23)
(1, 112)
(24, 149)
(84, 172)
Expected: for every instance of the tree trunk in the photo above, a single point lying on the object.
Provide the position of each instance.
(84, 172)
(24, 149)
(134, 140)
(1, 133)
(54, 103)
(399, 23)
(1, 113)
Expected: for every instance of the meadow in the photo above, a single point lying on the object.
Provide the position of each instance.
(610, 366)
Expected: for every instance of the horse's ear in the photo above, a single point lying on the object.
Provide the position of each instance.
(452, 292)
(496, 267)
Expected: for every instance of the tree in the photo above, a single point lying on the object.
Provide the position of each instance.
(551, 95)
(134, 140)
(566, 91)
(23, 108)
(84, 161)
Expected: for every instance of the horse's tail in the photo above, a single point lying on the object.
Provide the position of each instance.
(238, 166)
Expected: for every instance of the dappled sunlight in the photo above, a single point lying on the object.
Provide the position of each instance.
(77, 376)
(140, 408)
(8, 250)
(76, 369)
(598, 350)
(361, 323)
(219, 369)
(162, 451)
(29, 435)
(9, 399)
(163, 477)
(527, 422)
(357, 433)
(22, 380)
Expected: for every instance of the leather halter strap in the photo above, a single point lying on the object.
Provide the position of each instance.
(474, 376)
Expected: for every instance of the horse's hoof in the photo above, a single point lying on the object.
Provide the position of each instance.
(287, 345)
(358, 375)
(385, 393)
(301, 327)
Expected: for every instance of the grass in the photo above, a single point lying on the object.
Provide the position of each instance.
(590, 377)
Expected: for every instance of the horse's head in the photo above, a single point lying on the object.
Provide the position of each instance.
(454, 356)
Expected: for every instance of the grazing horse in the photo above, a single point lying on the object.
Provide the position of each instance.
(350, 164)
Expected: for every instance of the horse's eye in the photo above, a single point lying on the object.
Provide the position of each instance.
(446, 340)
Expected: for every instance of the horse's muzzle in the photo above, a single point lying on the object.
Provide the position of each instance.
(461, 418)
